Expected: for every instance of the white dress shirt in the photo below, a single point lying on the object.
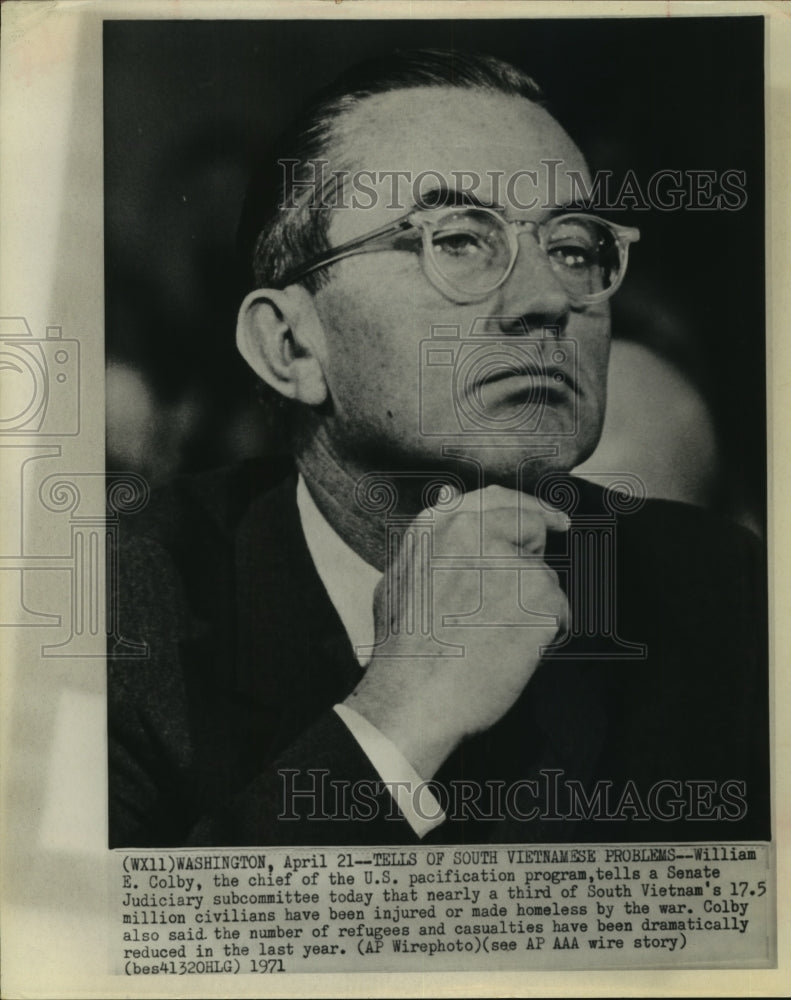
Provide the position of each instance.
(350, 583)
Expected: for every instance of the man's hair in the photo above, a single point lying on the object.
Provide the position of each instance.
(283, 238)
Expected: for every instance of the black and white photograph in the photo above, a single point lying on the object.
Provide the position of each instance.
(446, 585)
(390, 439)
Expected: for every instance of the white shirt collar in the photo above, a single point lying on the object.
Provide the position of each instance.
(349, 580)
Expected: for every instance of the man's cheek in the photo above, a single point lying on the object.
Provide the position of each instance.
(593, 363)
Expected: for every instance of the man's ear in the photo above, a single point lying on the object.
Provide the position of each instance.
(280, 336)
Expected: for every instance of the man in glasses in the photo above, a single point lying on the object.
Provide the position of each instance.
(409, 601)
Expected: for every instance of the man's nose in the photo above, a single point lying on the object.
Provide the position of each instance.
(533, 289)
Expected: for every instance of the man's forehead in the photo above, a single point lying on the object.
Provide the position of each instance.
(451, 137)
(452, 122)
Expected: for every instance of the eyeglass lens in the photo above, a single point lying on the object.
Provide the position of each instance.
(473, 251)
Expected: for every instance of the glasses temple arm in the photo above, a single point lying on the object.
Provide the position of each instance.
(344, 250)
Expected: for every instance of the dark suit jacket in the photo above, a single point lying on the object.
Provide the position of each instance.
(247, 656)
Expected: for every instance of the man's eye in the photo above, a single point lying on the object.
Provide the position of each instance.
(459, 243)
(574, 255)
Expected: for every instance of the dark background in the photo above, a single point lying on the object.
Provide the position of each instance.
(190, 106)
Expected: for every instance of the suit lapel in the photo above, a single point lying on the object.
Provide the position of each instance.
(293, 655)
(294, 661)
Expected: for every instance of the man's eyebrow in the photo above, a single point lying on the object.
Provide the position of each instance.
(446, 196)
(570, 206)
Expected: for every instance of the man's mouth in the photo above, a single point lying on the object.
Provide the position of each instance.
(545, 384)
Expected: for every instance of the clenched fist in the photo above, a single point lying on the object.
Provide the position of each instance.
(427, 702)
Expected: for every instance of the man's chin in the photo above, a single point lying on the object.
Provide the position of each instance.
(515, 465)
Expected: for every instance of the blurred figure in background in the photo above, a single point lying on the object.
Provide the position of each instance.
(657, 425)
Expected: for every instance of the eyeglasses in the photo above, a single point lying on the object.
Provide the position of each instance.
(468, 253)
